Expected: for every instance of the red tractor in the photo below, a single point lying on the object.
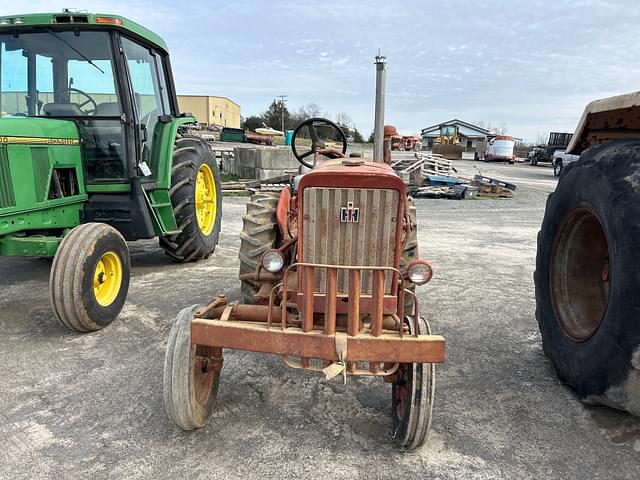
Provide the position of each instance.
(328, 268)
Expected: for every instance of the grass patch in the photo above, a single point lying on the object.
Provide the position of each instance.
(227, 177)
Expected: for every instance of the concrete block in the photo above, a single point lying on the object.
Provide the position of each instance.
(263, 174)
(277, 158)
(245, 156)
(260, 162)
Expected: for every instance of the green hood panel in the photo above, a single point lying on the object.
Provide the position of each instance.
(30, 130)
(31, 149)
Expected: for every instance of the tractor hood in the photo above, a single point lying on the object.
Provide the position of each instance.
(41, 179)
(37, 131)
(351, 173)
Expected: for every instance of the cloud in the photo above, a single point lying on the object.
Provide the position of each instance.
(532, 65)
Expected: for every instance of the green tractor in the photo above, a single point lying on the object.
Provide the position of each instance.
(92, 156)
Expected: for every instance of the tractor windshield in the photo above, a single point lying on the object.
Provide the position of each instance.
(57, 74)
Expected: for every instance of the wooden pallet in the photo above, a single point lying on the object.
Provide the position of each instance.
(489, 190)
(414, 170)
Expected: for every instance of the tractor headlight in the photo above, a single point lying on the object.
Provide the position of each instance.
(5, 21)
(18, 21)
(272, 261)
(419, 272)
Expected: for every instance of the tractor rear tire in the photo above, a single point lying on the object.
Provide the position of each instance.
(191, 377)
(259, 234)
(412, 398)
(89, 277)
(409, 254)
(587, 279)
(196, 197)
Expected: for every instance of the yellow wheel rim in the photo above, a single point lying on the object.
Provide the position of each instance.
(205, 199)
(107, 278)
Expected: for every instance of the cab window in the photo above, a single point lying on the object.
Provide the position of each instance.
(70, 75)
(149, 95)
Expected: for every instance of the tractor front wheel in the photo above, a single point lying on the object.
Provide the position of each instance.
(196, 200)
(191, 375)
(89, 277)
(412, 397)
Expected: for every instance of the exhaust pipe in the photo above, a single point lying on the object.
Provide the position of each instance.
(381, 90)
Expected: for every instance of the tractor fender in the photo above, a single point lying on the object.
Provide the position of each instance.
(282, 213)
(164, 152)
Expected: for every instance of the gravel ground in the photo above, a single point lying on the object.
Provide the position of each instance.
(90, 406)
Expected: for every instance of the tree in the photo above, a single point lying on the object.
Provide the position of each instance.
(252, 122)
(297, 118)
(498, 130)
(343, 119)
(313, 110)
(542, 138)
(273, 116)
(371, 138)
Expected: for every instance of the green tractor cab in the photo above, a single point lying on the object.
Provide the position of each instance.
(91, 156)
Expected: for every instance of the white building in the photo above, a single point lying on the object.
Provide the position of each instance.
(471, 136)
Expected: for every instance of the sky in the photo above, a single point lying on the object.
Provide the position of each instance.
(530, 66)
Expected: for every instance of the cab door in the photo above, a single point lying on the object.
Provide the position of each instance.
(150, 100)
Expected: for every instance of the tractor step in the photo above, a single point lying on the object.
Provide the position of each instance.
(161, 209)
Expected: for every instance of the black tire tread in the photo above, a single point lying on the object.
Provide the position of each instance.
(259, 233)
(603, 180)
(420, 416)
(190, 244)
(66, 277)
(177, 391)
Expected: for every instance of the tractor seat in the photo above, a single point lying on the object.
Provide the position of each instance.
(108, 109)
(62, 110)
(111, 128)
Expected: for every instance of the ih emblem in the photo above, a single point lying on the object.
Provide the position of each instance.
(349, 214)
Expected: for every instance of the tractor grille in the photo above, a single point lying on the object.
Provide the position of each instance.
(40, 160)
(347, 226)
(7, 197)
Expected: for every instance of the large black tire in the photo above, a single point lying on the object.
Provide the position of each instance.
(190, 156)
(412, 398)
(190, 378)
(587, 277)
(259, 234)
(409, 254)
(89, 277)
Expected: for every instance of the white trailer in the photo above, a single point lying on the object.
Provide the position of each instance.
(499, 149)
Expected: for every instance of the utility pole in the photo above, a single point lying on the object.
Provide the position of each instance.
(283, 99)
(381, 90)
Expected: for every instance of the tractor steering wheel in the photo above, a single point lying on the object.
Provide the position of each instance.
(317, 145)
(89, 100)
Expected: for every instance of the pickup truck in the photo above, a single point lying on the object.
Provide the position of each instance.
(544, 153)
(560, 159)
